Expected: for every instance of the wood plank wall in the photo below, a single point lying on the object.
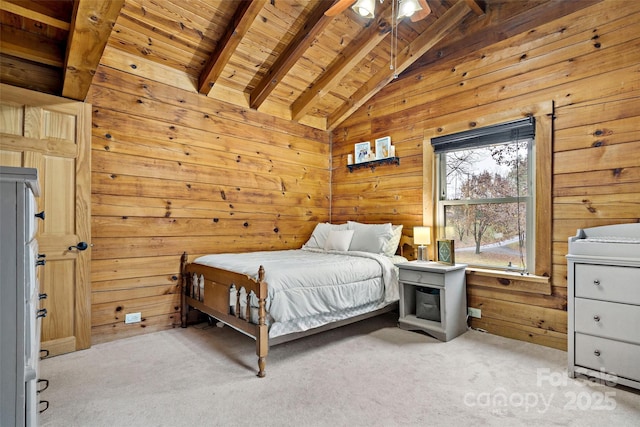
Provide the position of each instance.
(174, 171)
(588, 64)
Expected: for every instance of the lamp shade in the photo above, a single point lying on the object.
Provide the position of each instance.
(365, 8)
(422, 235)
(408, 8)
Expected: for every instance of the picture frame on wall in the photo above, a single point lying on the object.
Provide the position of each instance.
(445, 252)
(383, 147)
(362, 150)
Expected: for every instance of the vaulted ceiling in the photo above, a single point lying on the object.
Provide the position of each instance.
(282, 57)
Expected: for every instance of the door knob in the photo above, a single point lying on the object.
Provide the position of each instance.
(82, 246)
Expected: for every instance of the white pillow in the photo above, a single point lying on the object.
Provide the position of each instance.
(370, 237)
(320, 234)
(338, 240)
(391, 246)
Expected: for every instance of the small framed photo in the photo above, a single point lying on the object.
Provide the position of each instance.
(445, 252)
(383, 147)
(362, 151)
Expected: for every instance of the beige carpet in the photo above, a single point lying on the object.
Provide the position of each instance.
(367, 374)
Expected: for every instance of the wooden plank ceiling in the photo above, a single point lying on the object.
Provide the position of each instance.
(282, 57)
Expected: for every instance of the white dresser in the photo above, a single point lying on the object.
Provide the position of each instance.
(20, 309)
(603, 279)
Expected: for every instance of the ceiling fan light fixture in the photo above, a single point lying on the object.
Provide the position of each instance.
(365, 8)
(407, 8)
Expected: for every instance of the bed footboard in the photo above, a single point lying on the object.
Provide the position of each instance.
(207, 289)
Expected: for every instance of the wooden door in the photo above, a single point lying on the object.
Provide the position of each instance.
(53, 135)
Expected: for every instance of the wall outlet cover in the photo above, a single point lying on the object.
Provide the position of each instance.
(132, 317)
(474, 312)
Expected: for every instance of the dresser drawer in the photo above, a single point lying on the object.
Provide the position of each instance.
(607, 282)
(607, 319)
(614, 357)
(423, 277)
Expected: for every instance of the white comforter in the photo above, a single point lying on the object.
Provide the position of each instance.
(309, 282)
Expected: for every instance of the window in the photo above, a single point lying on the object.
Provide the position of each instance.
(486, 194)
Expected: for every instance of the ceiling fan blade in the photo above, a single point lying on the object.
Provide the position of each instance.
(422, 13)
(339, 7)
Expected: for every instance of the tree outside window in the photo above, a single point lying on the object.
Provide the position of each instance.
(486, 203)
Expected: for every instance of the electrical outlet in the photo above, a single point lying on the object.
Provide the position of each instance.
(474, 312)
(132, 317)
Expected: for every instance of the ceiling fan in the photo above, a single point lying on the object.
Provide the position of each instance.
(416, 9)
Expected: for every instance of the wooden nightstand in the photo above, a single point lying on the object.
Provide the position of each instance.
(437, 280)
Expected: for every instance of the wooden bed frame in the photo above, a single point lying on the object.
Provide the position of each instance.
(217, 285)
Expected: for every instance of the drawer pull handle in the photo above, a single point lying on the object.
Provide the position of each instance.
(596, 282)
(44, 402)
(596, 318)
(597, 352)
(46, 385)
(41, 313)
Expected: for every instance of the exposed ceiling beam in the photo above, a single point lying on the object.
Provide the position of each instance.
(437, 8)
(91, 26)
(240, 23)
(34, 11)
(512, 18)
(407, 56)
(315, 24)
(477, 9)
(346, 61)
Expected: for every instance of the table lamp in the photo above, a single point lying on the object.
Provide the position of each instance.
(422, 237)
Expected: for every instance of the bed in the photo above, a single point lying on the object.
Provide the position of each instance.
(344, 273)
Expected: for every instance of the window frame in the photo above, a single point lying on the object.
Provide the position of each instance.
(529, 200)
(486, 116)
